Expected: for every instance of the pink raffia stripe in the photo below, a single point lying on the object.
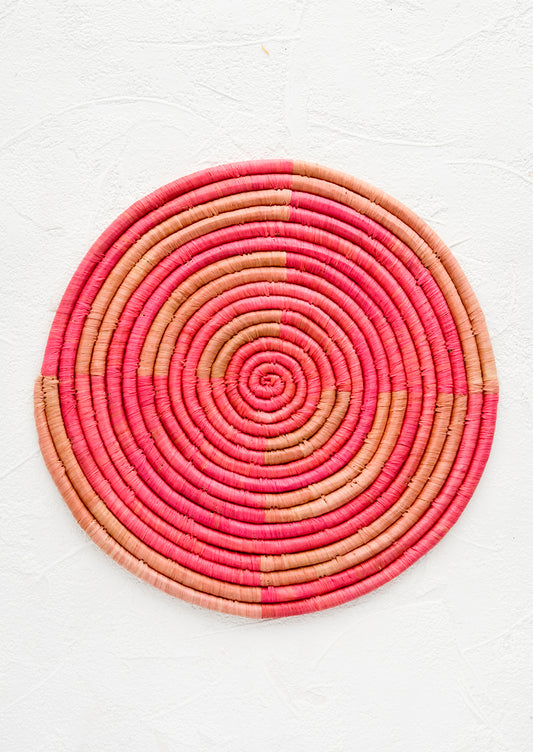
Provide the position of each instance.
(268, 389)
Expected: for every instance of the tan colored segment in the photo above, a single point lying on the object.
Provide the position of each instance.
(328, 416)
(425, 243)
(408, 236)
(151, 249)
(74, 486)
(228, 339)
(196, 290)
(318, 497)
(422, 489)
(163, 348)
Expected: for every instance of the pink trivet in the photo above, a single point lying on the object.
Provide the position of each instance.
(268, 389)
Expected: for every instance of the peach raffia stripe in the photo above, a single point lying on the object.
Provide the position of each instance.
(268, 389)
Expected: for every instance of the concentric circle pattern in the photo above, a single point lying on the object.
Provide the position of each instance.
(268, 389)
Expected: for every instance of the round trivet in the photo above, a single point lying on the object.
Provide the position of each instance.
(268, 389)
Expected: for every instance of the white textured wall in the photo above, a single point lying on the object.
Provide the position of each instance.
(101, 102)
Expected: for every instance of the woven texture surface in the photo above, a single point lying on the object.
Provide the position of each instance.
(268, 389)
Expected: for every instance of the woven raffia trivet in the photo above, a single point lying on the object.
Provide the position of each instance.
(268, 389)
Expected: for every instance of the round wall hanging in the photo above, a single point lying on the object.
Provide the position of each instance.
(268, 389)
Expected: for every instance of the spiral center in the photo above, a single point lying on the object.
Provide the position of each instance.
(269, 379)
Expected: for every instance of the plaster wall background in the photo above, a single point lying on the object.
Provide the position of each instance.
(102, 102)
